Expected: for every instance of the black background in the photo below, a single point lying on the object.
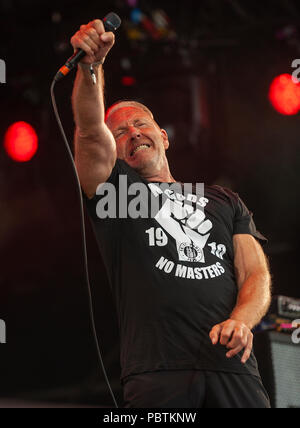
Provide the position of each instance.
(208, 86)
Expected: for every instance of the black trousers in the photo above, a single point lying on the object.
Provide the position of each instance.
(194, 389)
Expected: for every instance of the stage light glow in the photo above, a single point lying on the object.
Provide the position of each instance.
(21, 141)
(136, 16)
(284, 95)
(128, 81)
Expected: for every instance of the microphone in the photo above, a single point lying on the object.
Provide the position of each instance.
(111, 23)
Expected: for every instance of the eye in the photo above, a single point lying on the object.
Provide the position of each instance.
(119, 134)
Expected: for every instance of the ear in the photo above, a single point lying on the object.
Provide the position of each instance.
(165, 139)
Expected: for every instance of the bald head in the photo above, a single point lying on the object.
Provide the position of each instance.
(122, 104)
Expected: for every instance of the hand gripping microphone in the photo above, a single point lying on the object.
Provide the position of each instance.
(111, 23)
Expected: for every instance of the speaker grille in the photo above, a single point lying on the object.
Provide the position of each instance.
(279, 365)
(286, 359)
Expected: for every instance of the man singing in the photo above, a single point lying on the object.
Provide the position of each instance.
(190, 281)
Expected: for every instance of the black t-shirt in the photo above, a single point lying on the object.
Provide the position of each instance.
(172, 274)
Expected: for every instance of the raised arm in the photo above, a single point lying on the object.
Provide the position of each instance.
(95, 147)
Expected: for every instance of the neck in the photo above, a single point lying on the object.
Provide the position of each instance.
(160, 179)
(162, 176)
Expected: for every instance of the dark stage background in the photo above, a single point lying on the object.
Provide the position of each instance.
(206, 76)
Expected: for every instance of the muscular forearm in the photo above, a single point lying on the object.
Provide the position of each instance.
(95, 146)
(253, 299)
(87, 101)
(252, 304)
(254, 283)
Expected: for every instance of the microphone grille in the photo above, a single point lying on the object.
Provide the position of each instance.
(112, 22)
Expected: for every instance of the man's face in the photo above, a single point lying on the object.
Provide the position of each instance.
(140, 141)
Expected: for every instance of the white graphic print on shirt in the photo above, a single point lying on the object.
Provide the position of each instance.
(191, 230)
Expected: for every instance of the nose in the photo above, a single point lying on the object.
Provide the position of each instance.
(134, 133)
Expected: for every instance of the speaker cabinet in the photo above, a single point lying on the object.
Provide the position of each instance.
(279, 364)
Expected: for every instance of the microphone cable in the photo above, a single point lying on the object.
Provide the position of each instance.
(111, 23)
(84, 244)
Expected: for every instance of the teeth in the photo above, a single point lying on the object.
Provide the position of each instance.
(144, 146)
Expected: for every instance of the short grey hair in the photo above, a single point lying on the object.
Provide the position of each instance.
(119, 104)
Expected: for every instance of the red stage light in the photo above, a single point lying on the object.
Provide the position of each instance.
(21, 142)
(285, 95)
(128, 81)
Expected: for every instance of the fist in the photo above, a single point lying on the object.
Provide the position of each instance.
(93, 39)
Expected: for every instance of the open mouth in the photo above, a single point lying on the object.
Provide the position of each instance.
(142, 146)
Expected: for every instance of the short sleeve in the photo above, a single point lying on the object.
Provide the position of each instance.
(244, 223)
(91, 203)
(107, 229)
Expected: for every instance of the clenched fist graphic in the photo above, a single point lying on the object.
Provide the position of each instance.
(188, 227)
